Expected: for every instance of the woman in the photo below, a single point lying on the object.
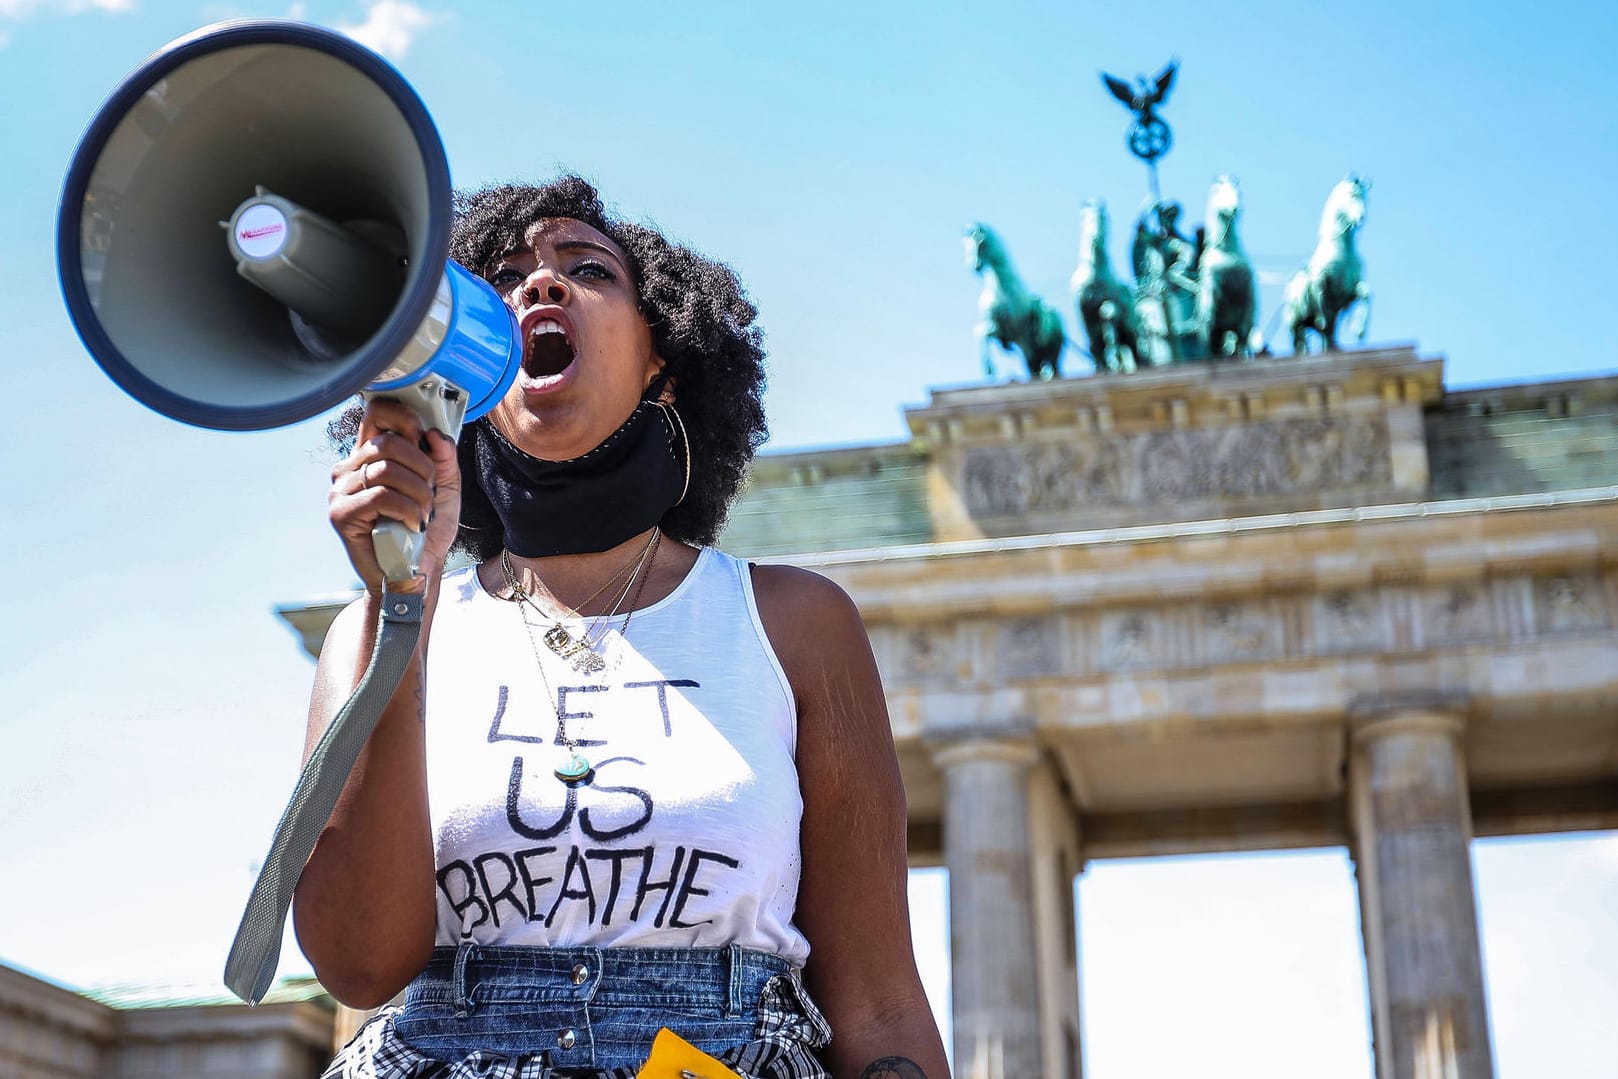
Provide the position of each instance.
(627, 782)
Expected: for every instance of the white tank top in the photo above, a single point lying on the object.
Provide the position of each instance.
(686, 835)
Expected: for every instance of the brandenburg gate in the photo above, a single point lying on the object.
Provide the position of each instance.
(1309, 602)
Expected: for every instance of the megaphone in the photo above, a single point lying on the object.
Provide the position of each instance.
(255, 227)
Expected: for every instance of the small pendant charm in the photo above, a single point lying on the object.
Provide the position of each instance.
(560, 641)
(577, 652)
(576, 770)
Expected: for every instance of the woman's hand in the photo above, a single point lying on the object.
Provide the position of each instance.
(396, 471)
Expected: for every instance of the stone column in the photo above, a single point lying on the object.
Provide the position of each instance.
(1057, 854)
(1418, 909)
(994, 981)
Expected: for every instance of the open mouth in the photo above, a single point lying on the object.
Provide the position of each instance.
(547, 351)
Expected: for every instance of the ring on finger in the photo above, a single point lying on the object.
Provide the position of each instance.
(365, 476)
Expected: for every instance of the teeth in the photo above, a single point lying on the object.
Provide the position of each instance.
(547, 327)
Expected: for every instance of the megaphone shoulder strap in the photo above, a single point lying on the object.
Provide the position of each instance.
(254, 954)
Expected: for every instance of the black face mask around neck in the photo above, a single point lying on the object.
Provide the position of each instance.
(593, 502)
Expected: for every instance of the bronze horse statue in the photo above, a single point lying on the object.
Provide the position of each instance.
(1317, 296)
(1009, 313)
(1227, 303)
(1106, 306)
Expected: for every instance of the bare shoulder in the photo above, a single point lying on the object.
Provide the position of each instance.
(807, 617)
(817, 633)
(794, 592)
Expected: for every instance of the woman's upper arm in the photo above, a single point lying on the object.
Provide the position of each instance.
(337, 669)
(853, 902)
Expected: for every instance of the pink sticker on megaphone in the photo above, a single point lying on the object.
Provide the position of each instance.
(261, 231)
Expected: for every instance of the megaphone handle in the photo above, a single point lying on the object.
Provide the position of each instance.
(440, 405)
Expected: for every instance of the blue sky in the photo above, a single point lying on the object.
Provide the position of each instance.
(833, 154)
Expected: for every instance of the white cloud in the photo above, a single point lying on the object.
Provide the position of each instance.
(12, 11)
(23, 9)
(390, 27)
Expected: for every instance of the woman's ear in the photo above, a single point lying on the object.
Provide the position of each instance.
(658, 376)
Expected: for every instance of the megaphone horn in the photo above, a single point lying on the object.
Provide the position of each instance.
(331, 276)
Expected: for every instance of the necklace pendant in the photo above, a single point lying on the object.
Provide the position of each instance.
(560, 641)
(579, 653)
(575, 770)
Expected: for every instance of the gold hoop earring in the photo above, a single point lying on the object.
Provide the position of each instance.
(685, 443)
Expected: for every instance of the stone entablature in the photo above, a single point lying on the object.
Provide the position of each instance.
(1181, 443)
(1247, 447)
(1215, 666)
(1291, 598)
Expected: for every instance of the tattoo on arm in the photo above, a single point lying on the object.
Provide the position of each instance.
(893, 1068)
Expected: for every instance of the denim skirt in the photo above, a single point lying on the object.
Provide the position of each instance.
(549, 1013)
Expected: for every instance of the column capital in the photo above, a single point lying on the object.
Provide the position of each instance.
(1447, 724)
(1023, 752)
(1381, 715)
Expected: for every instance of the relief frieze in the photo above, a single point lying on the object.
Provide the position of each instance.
(1569, 603)
(1029, 646)
(927, 652)
(1349, 620)
(1235, 632)
(1133, 639)
(1172, 635)
(1254, 460)
(1455, 614)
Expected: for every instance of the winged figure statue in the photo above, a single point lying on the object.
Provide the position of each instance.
(1143, 98)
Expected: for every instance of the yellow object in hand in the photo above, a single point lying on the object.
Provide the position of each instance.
(675, 1058)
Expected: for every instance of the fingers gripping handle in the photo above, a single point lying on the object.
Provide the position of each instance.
(439, 405)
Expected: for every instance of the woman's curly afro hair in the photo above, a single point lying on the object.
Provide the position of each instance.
(701, 325)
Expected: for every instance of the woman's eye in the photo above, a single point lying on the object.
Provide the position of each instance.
(591, 268)
(504, 278)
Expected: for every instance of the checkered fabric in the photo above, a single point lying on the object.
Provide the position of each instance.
(790, 1029)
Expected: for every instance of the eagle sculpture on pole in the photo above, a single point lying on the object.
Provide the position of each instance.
(1149, 138)
(1143, 98)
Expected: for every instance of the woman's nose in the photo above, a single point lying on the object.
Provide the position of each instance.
(543, 286)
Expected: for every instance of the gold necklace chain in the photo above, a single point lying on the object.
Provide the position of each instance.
(522, 593)
(581, 653)
(596, 636)
(577, 768)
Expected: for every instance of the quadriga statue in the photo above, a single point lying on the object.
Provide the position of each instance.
(1317, 296)
(1008, 313)
(1105, 304)
(1166, 265)
(1227, 303)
